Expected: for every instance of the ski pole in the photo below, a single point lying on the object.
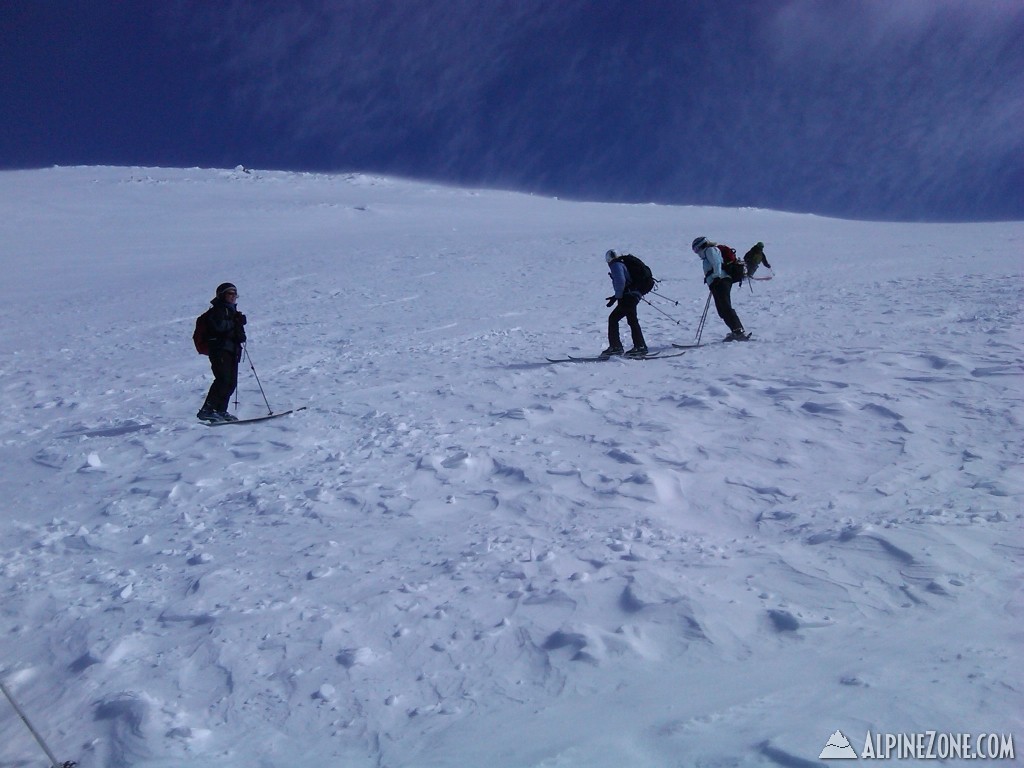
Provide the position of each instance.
(35, 734)
(659, 309)
(270, 411)
(236, 383)
(703, 318)
(665, 298)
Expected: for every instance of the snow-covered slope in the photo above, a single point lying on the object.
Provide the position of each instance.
(459, 554)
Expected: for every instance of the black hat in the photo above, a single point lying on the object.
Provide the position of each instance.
(224, 288)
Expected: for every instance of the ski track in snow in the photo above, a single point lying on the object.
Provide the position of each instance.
(460, 554)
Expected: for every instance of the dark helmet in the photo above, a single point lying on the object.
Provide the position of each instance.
(699, 243)
(610, 256)
(224, 288)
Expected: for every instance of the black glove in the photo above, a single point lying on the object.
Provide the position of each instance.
(611, 300)
(239, 318)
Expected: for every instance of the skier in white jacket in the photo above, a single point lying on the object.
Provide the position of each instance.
(720, 285)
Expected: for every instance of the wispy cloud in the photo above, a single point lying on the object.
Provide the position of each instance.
(896, 109)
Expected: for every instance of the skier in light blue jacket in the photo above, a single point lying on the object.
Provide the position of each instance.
(627, 298)
(720, 285)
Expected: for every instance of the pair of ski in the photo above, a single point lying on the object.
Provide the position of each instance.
(659, 355)
(254, 419)
(726, 340)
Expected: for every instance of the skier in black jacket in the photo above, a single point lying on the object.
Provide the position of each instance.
(754, 258)
(226, 328)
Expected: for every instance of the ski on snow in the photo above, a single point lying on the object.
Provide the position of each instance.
(708, 343)
(599, 358)
(254, 419)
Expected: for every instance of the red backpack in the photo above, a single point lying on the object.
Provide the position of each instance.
(201, 335)
(732, 266)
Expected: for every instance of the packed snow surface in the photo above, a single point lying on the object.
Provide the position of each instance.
(460, 554)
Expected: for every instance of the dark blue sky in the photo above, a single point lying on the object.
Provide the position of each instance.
(894, 109)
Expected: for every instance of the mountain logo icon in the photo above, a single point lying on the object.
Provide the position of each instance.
(838, 748)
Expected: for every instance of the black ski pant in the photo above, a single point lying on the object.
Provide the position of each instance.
(722, 292)
(625, 308)
(225, 378)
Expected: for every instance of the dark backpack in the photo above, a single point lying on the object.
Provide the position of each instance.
(201, 335)
(732, 266)
(640, 277)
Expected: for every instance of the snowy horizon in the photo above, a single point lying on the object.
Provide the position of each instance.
(460, 554)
